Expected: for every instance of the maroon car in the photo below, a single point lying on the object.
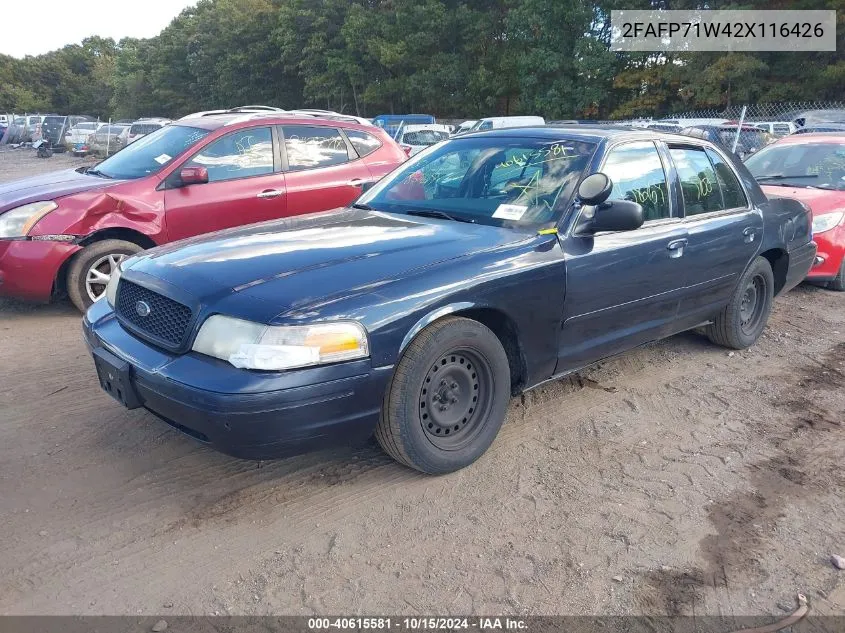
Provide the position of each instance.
(68, 230)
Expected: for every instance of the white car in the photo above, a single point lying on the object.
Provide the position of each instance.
(464, 127)
(496, 122)
(142, 127)
(415, 138)
(777, 128)
(80, 132)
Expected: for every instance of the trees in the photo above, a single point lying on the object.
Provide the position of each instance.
(451, 58)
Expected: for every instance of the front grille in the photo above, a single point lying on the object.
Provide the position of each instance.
(167, 320)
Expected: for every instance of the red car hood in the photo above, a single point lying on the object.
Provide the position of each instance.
(820, 201)
(48, 187)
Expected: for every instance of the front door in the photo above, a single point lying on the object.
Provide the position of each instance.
(623, 288)
(245, 185)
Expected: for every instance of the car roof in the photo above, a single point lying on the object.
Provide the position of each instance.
(588, 133)
(812, 137)
(215, 121)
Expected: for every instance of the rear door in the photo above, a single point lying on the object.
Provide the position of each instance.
(724, 230)
(245, 185)
(623, 289)
(322, 169)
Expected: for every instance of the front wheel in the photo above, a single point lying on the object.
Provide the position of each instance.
(447, 399)
(838, 282)
(91, 269)
(742, 321)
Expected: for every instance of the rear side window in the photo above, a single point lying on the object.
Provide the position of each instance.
(698, 180)
(241, 154)
(732, 195)
(310, 146)
(363, 143)
(637, 175)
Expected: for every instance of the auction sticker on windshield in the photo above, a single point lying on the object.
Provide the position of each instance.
(163, 158)
(510, 211)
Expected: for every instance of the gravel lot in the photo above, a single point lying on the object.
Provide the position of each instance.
(678, 478)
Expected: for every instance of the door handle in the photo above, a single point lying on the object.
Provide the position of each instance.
(356, 182)
(270, 193)
(749, 234)
(676, 247)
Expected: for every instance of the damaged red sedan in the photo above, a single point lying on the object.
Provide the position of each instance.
(67, 231)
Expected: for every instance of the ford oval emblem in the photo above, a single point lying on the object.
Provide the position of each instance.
(142, 308)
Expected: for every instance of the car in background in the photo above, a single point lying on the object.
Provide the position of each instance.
(415, 138)
(496, 122)
(142, 127)
(80, 133)
(811, 168)
(777, 129)
(484, 266)
(391, 123)
(66, 231)
(821, 127)
(465, 127)
(751, 138)
(109, 139)
(818, 117)
(54, 129)
(671, 128)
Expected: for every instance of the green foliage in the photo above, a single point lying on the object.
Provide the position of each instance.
(451, 58)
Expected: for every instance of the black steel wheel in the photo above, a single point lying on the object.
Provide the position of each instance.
(740, 323)
(447, 398)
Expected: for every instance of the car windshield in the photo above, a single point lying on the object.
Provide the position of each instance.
(151, 153)
(424, 137)
(819, 165)
(495, 181)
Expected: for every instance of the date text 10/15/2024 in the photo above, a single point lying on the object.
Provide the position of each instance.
(431, 623)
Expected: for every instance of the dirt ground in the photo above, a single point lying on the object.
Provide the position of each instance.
(676, 479)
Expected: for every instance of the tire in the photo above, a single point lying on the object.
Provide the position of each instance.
(838, 282)
(102, 256)
(443, 429)
(743, 320)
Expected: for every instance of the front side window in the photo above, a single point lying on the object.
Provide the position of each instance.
(365, 144)
(310, 146)
(637, 175)
(241, 154)
(148, 155)
(699, 184)
(819, 165)
(500, 182)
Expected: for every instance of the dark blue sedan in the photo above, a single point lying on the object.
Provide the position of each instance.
(480, 268)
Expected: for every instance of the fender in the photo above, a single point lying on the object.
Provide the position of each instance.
(431, 317)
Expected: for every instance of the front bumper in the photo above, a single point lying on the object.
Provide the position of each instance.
(831, 251)
(28, 268)
(246, 414)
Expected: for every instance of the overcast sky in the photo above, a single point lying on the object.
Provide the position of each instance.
(50, 24)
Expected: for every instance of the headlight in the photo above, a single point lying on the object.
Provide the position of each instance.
(822, 223)
(250, 345)
(111, 287)
(19, 221)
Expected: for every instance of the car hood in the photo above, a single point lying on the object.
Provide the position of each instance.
(820, 201)
(290, 264)
(47, 187)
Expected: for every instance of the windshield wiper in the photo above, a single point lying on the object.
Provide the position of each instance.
(431, 213)
(361, 205)
(785, 177)
(97, 172)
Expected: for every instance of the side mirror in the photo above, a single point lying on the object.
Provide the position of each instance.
(193, 175)
(595, 188)
(618, 215)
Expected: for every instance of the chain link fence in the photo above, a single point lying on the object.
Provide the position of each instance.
(745, 128)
